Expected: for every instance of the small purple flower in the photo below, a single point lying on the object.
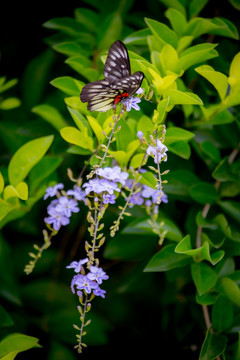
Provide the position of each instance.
(131, 102)
(115, 174)
(67, 206)
(78, 193)
(77, 265)
(56, 218)
(136, 199)
(52, 190)
(97, 273)
(140, 134)
(84, 283)
(159, 152)
(93, 185)
(109, 186)
(109, 199)
(99, 292)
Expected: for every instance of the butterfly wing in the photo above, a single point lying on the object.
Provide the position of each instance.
(129, 84)
(99, 95)
(117, 65)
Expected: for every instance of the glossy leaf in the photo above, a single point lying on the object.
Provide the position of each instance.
(51, 115)
(17, 343)
(68, 85)
(217, 79)
(166, 259)
(204, 193)
(222, 314)
(76, 137)
(26, 157)
(204, 277)
(213, 346)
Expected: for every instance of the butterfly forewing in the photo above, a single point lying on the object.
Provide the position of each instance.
(117, 65)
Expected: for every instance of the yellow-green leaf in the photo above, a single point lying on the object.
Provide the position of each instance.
(217, 79)
(77, 137)
(1, 183)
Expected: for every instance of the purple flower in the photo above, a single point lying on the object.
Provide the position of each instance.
(52, 191)
(159, 152)
(67, 206)
(140, 134)
(56, 218)
(131, 102)
(78, 193)
(77, 265)
(99, 292)
(136, 199)
(83, 282)
(93, 185)
(109, 186)
(109, 199)
(97, 273)
(115, 174)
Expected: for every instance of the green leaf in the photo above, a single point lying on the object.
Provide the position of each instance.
(68, 85)
(67, 25)
(222, 314)
(45, 167)
(10, 103)
(162, 32)
(6, 208)
(17, 342)
(137, 160)
(232, 208)
(178, 97)
(180, 148)
(20, 191)
(196, 54)
(5, 318)
(229, 288)
(204, 277)
(198, 254)
(213, 346)
(51, 115)
(77, 137)
(177, 20)
(148, 179)
(203, 193)
(143, 227)
(217, 79)
(1, 183)
(195, 7)
(180, 181)
(211, 150)
(83, 66)
(223, 172)
(166, 259)
(175, 134)
(26, 157)
(4, 86)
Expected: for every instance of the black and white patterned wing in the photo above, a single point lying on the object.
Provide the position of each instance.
(117, 65)
(99, 95)
(129, 84)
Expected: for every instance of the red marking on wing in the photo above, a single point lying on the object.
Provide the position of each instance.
(118, 98)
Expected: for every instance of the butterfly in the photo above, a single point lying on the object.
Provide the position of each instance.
(118, 82)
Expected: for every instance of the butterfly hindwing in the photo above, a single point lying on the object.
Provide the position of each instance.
(117, 65)
(99, 95)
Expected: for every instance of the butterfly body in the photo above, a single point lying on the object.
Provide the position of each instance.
(118, 82)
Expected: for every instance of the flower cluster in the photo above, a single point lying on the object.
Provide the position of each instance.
(145, 195)
(106, 183)
(60, 209)
(87, 282)
(158, 151)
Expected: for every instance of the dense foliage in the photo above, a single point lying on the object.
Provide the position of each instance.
(145, 198)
